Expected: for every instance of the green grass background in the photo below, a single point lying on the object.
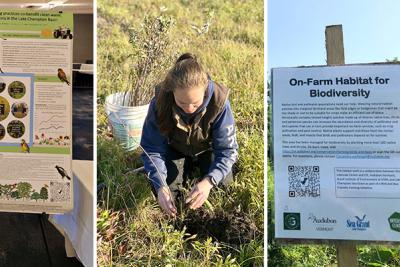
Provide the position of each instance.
(132, 231)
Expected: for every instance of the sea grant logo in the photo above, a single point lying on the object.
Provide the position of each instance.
(322, 223)
(291, 221)
(360, 224)
(394, 221)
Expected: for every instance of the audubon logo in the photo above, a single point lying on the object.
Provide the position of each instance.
(360, 224)
(322, 220)
(394, 221)
(322, 223)
(291, 221)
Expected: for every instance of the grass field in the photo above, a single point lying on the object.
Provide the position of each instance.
(132, 230)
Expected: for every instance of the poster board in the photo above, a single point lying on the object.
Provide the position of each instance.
(336, 133)
(36, 111)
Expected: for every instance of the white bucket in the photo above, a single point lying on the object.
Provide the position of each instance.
(126, 122)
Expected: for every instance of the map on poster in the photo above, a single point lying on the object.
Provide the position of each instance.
(36, 111)
(336, 137)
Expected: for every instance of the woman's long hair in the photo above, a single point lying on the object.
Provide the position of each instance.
(185, 74)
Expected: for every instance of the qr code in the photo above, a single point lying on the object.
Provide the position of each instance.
(60, 192)
(304, 181)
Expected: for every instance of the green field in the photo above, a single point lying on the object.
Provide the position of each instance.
(132, 230)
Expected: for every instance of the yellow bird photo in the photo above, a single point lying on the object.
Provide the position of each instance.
(25, 147)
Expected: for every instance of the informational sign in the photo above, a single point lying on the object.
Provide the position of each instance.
(36, 111)
(336, 134)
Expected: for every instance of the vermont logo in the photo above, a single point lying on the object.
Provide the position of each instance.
(394, 221)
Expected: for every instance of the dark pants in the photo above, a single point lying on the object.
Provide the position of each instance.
(183, 170)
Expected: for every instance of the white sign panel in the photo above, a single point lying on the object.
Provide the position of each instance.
(336, 139)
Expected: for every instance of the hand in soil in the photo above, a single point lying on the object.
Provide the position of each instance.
(199, 193)
(166, 201)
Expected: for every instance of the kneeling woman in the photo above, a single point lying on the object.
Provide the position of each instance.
(189, 124)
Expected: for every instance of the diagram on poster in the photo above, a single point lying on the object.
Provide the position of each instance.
(36, 111)
(52, 123)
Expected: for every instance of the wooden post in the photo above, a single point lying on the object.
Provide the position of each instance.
(334, 45)
(346, 252)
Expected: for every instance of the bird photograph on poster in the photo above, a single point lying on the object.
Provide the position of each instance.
(62, 76)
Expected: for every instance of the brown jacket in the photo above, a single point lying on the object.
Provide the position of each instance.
(195, 138)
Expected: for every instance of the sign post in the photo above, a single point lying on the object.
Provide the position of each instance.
(346, 253)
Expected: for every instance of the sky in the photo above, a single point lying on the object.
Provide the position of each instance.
(296, 30)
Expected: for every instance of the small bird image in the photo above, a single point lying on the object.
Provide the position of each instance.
(62, 76)
(1, 70)
(24, 147)
(62, 172)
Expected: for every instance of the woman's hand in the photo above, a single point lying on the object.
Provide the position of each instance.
(199, 193)
(166, 201)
